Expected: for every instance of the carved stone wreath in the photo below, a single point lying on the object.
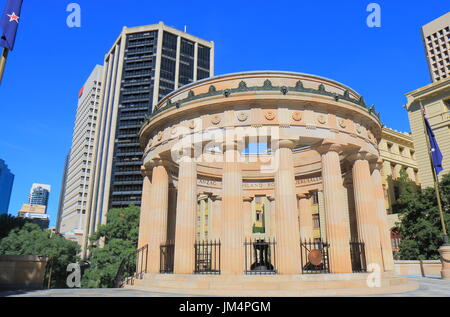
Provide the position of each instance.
(297, 116)
(160, 135)
(321, 119)
(343, 123)
(270, 115)
(242, 116)
(216, 119)
(358, 128)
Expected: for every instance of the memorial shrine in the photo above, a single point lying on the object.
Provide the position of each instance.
(262, 179)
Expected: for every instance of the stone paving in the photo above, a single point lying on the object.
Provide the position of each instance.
(429, 287)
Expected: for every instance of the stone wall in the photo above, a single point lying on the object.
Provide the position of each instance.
(412, 267)
(22, 271)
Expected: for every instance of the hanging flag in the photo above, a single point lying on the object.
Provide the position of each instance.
(436, 154)
(10, 23)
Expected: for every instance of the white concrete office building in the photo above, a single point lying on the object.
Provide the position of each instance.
(79, 173)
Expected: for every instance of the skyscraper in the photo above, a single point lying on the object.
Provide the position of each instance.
(144, 64)
(39, 195)
(6, 184)
(434, 98)
(62, 193)
(79, 170)
(436, 39)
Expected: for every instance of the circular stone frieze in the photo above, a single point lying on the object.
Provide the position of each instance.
(216, 119)
(242, 116)
(297, 116)
(270, 115)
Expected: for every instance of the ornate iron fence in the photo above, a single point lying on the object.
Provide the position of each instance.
(166, 258)
(207, 257)
(260, 256)
(358, 256)
(314, 257)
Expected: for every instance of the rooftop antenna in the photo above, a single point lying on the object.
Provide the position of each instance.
(185, 29)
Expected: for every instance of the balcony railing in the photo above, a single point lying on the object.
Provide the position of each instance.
(358, 256)
(166, 258)
(260, 256)
(207, 257)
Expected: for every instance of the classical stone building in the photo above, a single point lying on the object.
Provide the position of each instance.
(398, 153)
(435, 99)
(282, 168)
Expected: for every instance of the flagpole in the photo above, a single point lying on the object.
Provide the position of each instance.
(3, 60)
(435, 178)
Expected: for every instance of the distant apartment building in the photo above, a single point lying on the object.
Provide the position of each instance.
(39, 195)
(6, 184)
(79, 169)
(436, 39)
(62, 193)
(36, 213)
(144, 64)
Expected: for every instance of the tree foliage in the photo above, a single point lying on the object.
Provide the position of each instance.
(9, 223)
(420, 226)
(31, 240)
(120, 237)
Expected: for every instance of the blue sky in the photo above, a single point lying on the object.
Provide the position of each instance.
(328, 38)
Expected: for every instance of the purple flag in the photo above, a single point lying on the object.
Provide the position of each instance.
(10, 23)
(436, 154)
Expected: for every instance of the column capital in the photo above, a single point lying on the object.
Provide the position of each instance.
(304, 195)
(329, 146)
(377, 165)
(145, 172)
(362, 155)
(284, 144)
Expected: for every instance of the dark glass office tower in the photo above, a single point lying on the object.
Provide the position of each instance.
(144, 64)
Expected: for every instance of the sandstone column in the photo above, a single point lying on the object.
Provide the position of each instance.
(248, 217)
(157, 215)
(366, 210)
(305, 217)
(337, 224)
(232, 206)
(216, 220)
(144, 219)
(286, 215)
(384, 230)
(184, 260)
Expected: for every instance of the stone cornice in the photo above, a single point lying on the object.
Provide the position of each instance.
(266, 87)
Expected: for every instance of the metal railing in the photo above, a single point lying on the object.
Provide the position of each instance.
(358, 256)
(260, 256)
(141, 262)
(314, 257)
(207, 257)
(136, 262)
(166, 258)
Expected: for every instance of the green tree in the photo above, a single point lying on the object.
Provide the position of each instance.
(420, 225)
(120, 236)
(9, 223)
(31, 240)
